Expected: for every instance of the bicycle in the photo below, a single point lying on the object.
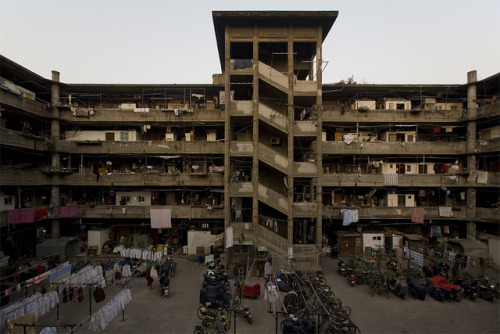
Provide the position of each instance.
(201, 330)
(173, 267)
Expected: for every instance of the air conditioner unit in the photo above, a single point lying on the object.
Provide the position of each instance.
(275, 141)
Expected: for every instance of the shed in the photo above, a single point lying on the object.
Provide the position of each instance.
(350, 243)
(473, 248)
(415, 242)
(65, 248)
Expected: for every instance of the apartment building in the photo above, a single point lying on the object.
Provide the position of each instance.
(268, 154)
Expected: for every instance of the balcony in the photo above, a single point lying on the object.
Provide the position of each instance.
(124, 212)
(241, 189)
(488, 146)
(241, 108)
(144, 179)
(22, 140)
(384, 212)
(489, 110)
(139, 147)
(23, 104)
(242, 149)
(305, 169)
(396, 148)
(114, 115)
(379, 115)
(305, 87)
(491, 215)
(404, 180)
(305, 209)
(305, 128)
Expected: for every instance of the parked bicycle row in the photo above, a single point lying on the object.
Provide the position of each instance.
(432, 280)
(310, 305)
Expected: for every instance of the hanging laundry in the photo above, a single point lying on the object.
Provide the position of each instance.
(435, 231)
(349, 216)
(160, 218)
(437, 129)
(229, 237)
(445, 211)
(21, 216)
(391, 179)
(417, 215)
(482, 177)
(68, 211)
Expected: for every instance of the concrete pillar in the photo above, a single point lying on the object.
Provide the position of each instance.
(471, 116)
(319, 137)
(290, 121)
(471, 230)
(471, 145)
(55, 161)
(255, 132)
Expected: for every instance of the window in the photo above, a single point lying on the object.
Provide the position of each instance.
(408, 168)
(124, 136)
(7, 200)
(422, 169)
(410, 138)
(392, 137)
(400, 106)
(377, 238)
(241, 249)
(140, 198)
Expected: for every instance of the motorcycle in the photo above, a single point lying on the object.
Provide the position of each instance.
(398, 286)
(484, 289)
(341, 267)
(439, 288)
(164, 285)
(351, 276)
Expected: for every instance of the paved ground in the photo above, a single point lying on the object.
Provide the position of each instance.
(149, 313)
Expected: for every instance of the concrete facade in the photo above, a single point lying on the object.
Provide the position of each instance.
(263, 150)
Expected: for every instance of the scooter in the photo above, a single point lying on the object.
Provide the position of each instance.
(341, 267)
(398, 286)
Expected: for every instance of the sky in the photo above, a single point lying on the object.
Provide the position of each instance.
(167, 42)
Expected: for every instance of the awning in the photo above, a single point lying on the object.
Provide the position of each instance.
(244, 243)
(475, 248)
(261, 249)
(415, 237)
(217, 190)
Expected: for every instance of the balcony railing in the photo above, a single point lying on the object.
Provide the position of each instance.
(403, 148)
(139, 147)
(126, 211)
(379, 115)
(404, 180)
(384, 212)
